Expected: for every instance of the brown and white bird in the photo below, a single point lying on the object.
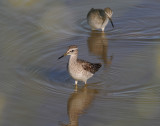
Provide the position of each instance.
(98, 18)
(80, 70)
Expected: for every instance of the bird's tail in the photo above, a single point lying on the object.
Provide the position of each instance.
(97, 66)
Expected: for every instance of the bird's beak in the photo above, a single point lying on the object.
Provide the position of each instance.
(62, 56)
(111, 21)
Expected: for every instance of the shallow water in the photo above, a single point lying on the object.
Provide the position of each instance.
(35, 87)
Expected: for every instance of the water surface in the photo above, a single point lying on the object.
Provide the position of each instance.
(35, 87)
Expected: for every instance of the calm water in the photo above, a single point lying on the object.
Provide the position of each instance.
(35, 88)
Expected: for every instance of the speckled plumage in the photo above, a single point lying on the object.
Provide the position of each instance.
(91, 67)
(80, 70)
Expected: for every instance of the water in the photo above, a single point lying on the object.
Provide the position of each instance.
(35, 87)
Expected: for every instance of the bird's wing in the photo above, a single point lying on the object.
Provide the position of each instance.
(91, 67)
(102, 14)
(91, 10)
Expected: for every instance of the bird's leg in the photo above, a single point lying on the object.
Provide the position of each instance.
(76, 88)
(103, 29)
(85, 82)
(76, 82)
(85, 86)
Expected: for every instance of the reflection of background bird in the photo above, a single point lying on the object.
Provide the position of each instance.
(98, 18)
(98, 45)
(78, 102)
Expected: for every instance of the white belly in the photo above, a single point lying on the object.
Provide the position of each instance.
(78, 73)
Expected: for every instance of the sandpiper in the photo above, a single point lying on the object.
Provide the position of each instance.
(98, 18)
(80, 70)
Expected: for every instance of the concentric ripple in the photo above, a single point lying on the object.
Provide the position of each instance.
(36, 87)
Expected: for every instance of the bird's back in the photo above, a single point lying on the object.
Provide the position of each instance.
(96, 18)
(90, 67)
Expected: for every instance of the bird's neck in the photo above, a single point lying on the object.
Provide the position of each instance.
(73, 59)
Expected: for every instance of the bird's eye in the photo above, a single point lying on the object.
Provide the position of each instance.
(72, 51)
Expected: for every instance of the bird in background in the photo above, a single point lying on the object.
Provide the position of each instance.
(98, 18)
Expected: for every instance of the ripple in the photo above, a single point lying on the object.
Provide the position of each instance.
(34, 49)
(32, 79)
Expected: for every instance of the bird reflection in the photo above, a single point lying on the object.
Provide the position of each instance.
(98, 45)
(78, 102)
